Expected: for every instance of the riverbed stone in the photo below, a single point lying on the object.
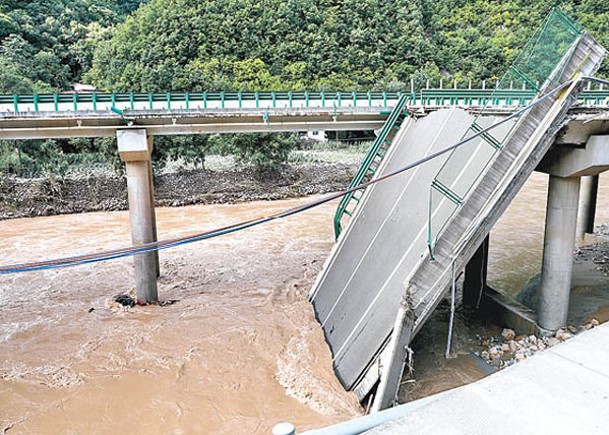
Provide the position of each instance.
(508, 334)
(552, 341)
(563, 335)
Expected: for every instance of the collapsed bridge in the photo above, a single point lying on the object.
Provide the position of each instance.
(409, 237)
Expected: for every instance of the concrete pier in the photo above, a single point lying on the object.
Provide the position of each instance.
(475, 276)
(587, 206)
(563, 196)
(566, 166)
(134, 149)
(153, 210)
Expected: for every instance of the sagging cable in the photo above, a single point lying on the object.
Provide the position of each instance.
(171, 243)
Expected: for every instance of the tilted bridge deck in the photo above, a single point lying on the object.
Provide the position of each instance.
(392, 264)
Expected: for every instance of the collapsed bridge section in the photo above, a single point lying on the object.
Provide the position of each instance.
(410, 235)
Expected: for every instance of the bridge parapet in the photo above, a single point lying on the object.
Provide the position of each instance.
(239, 101)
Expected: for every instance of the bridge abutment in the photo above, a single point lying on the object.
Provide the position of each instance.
(135, 148)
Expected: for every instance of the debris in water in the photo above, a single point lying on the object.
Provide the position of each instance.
(125, 300)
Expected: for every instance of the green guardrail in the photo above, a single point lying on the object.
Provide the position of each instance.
(193, 100)
(371, 161)
(328, 99)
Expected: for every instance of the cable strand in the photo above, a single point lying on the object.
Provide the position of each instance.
(171, 243)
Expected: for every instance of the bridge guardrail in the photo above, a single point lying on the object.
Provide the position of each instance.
(268, 100)
(372, 161)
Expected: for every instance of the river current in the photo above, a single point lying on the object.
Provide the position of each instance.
(238, 351)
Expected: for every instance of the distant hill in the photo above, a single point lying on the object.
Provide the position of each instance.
(321, 44)
(46, 44)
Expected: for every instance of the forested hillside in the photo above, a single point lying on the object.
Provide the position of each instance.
(317, 44)
(46, 44)
(266, 44)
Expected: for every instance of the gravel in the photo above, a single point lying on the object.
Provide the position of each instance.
(508, 348)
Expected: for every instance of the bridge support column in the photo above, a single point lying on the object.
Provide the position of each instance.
(587, 206)
(566, 165)
(475, 276)
(561, 218)
(152, 209)
(134, 149)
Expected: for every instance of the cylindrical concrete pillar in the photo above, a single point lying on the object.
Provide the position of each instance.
(155, 238)
(142, 229)
(134, 148)
(561, 219)
(587, 206)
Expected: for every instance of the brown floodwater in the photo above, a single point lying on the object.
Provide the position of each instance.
(238, 352)
(516, 242)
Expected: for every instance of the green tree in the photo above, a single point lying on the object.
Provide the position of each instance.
(256, 44)
(264, 151)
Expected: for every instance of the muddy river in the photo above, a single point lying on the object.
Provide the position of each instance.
(237, 353)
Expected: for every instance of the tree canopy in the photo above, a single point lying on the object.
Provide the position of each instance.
(46, 44)
(267, 44)
(320, 44)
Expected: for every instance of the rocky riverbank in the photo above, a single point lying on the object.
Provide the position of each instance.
(62, 195)
(509, 348)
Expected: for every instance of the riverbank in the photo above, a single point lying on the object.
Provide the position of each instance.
(56, 195)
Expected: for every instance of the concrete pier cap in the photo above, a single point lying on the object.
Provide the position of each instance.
(565, 165)
(134, 148)
(576, 161)
(133, 145)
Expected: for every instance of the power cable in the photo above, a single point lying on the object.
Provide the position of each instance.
(171, 243)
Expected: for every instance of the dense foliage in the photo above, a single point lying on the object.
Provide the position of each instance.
(316, 44)
(46, 44)
(266, 44)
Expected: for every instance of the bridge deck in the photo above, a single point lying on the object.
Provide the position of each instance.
(412, 235)
(43, 125)
(104, 123)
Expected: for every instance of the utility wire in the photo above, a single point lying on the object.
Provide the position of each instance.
(171, 243)
(595, 80)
